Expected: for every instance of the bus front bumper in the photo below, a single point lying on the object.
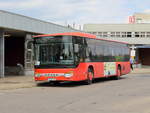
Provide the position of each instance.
(54, 77)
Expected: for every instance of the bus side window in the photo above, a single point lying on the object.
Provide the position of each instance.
(112, 54)
(90, 50)
(127, 57)
(106, 53)
(78, 49)
(87, 55)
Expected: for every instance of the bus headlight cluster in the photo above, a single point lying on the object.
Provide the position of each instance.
(37, 75)
(69, 74)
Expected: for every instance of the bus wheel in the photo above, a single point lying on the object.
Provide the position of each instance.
(90, 76)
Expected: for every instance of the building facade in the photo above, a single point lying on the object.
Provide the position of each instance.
(16, 49)
(138, 18)
(136, 33)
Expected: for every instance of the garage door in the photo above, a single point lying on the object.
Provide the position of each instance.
(144, 56)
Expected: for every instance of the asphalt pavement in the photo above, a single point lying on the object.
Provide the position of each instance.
(130, 94)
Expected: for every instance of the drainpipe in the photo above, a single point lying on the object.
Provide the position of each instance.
(2, 53)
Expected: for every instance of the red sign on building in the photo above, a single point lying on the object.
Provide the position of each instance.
(131, 20)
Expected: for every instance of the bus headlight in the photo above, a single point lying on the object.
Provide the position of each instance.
(69, 74)
(37, 75)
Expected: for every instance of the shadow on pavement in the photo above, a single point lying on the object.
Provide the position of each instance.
(76, 84)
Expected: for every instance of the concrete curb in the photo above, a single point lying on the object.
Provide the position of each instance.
(16, 86)
(140, 71)
(17, 82)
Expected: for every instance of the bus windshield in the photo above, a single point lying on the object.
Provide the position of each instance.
(57, 50)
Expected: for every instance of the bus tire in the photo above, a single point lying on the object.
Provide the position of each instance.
(90, 76)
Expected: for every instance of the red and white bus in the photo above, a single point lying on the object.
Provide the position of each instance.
(78, 56)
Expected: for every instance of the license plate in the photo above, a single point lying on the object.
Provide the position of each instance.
(51, 79)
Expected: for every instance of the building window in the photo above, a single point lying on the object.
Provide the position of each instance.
(123, 34)
(105, 34)
(136, 34)
(129, 34)
(142, 34)
(100, 34)
(88, 32)
(94, 33)
(112, 34)
(118, 34)
(147, 34)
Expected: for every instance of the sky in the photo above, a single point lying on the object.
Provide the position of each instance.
(77, 12)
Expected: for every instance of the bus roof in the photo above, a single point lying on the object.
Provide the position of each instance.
(69, 34)
(81, 34)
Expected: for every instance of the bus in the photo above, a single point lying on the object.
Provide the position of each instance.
(77, 56)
